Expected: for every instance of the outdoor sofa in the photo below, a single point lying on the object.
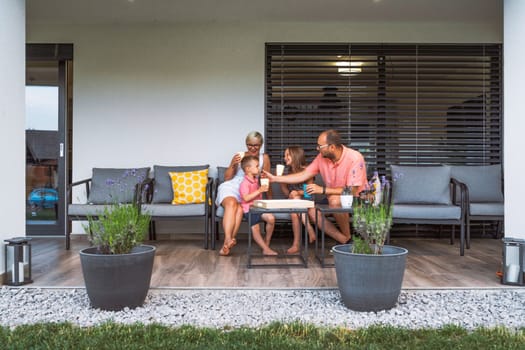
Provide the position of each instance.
(154, 195)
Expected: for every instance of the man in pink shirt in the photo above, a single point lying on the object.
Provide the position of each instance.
(339, 166)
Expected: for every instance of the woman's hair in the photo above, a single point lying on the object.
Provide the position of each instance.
(254, 135)
(298, 159)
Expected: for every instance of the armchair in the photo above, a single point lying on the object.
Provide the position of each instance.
(484, 194)
(428, 195)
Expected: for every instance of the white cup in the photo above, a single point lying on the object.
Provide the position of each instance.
(513, 271)
(279, 169)
(265, 182)
(240, 154)
(346, 200)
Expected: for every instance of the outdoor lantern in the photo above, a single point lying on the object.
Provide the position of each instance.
(18, 261)
(513, 264)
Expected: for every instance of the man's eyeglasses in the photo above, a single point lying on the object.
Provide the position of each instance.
(253, 145)
(320, 147)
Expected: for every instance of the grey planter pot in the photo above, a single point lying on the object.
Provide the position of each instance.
(369, 282)
(114, 282)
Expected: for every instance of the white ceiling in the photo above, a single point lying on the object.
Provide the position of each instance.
(173, 11)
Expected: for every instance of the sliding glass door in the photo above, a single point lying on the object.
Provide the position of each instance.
(47, 91)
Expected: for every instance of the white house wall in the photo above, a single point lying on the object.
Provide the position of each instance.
(514, 125)
(12, 122)
(148, 94)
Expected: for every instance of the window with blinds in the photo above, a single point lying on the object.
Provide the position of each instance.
(395, 103)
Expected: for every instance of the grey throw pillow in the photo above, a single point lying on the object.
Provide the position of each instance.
(483, 181)
(420, 184)
(163, 191)
(111, 185)
(220, 173)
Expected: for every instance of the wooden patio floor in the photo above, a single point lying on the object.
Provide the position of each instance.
(182, 263)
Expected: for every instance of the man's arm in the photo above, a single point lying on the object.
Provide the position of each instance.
(318, 189)
(291, 178)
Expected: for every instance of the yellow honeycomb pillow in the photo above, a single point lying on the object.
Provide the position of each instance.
(189, 187)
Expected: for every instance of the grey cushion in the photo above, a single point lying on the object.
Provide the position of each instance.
(282, 216)
(219, 212)
(170, 210)
(426, 211)
(420, 184)
(163, 191)
(109, 185)
(220, 173)
(483, 182)
(487, 209)
(86, 209)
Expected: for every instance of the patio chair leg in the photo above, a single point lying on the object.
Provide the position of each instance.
(152, 231)
(468, 235)
(206, 236)
(497, 234)
(462, 240)
(499, 230)
(213, 234)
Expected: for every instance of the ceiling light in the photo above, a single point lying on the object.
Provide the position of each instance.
(349, 70)
(349, 64)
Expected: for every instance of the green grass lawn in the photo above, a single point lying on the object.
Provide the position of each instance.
(276, 336)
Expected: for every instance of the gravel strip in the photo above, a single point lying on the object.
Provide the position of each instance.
(220, 308)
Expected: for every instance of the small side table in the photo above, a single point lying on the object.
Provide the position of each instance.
(303, 255)
(324, 209)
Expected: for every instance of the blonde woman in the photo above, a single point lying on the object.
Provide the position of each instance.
(228, 192)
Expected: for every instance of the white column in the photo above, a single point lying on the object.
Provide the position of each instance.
(12, 121)
(514, 116)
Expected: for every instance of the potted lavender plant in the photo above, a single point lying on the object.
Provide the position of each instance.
(370, 273)
(117, 268)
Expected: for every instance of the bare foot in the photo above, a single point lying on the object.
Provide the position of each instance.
(269, 252)
(231, 243)
(267, 241)
(225, 251)
(292, 250)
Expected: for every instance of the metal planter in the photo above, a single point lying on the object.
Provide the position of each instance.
(114, 282)
(369, 282)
